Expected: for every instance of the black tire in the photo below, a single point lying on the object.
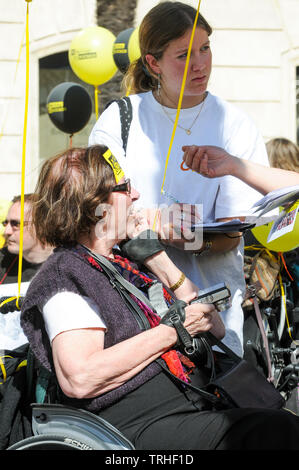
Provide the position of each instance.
(49, 442)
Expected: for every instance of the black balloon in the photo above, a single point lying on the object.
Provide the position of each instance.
(120, 50)
(69, 107)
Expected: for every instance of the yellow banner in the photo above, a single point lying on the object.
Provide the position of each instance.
(117, 170)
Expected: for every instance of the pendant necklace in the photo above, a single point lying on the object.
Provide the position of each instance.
(187, 130)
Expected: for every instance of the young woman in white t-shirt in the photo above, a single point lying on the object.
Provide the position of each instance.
(155, 82)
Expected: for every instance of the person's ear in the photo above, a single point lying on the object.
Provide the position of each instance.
(153, 64)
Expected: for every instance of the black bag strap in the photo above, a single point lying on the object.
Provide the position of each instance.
(126, 115)
(200, 391)
(216, 342)
(110, 269)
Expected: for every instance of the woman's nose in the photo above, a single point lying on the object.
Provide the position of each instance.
(198, 65)
(134, 194)
(198, 62)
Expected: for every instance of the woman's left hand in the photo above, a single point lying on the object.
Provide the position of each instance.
(173, 225)
(136, 222)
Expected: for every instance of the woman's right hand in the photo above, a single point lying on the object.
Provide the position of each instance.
(201, 318)
(210, 161)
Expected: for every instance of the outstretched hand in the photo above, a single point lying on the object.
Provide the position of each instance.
(210, 161)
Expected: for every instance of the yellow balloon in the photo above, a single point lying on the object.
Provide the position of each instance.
(90, 55)
(286, 242)
(133, 46)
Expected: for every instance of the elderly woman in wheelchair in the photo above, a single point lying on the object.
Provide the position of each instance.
(111, 318)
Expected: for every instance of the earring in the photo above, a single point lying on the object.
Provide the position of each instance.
(159, 84)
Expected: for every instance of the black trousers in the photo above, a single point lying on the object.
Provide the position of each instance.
(160, 416)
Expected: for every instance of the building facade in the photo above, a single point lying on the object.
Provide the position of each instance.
(255, 49)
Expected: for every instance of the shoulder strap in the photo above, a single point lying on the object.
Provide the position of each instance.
(126, 115)
(124, 287)
(215, 341)
(211, 397)
(108, 267)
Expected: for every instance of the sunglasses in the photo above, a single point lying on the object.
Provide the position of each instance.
(15, 224)
(124, 187)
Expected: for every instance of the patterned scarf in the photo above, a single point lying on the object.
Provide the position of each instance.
(177, 363)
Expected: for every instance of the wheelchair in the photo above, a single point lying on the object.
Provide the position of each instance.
(57, 427)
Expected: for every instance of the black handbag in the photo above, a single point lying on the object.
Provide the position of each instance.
(243, 386)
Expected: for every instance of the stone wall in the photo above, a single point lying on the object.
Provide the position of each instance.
(116, 16)
(255, 55)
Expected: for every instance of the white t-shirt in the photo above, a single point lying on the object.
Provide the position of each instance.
(67, 311)
(220, 124)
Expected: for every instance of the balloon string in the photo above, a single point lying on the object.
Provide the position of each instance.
(181, 94)
(24, 156)
(180, 102)
(96, 100)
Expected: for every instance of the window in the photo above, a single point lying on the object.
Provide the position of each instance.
(53, 70)
(297, 103)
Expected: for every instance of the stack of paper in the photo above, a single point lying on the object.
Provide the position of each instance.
(277, 198)
(280, 197)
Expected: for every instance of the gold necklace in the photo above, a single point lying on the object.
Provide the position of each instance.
(188, 130)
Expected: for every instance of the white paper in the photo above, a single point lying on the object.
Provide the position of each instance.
(12, 289)
(11, 333)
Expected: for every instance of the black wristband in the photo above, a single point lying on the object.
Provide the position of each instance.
(175, 316)
(141, 247)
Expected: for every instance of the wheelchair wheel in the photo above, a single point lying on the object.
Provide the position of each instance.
(50, 442)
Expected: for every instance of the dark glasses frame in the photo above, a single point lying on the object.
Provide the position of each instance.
(124, 187)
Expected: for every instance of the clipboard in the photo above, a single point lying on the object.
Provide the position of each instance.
(234, 225)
